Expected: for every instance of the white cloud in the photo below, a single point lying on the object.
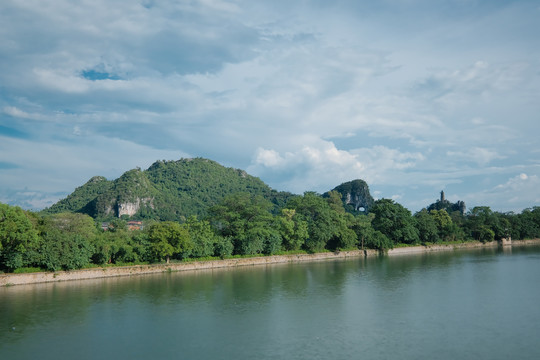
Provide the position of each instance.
(268, 158)
(390, 158)
(523, 183)
(481, 156)
(50, 168)
(309, 168)
(307, 94)
(13, 111)
(322, 166)
(18, 113)
(517, 193)
(61, 82)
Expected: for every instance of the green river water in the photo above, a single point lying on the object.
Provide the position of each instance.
(465, 304)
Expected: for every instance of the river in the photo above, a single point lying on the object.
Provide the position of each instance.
(463, 304)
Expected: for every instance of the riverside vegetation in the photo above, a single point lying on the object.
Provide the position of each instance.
(198, 209)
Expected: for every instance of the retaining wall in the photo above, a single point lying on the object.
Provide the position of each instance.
(94, 273)
(31, 278)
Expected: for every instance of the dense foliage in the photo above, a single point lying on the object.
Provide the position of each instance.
(166, 191)
(196, 208)
(244, 224)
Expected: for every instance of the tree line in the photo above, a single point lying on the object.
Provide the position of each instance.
(244, 224)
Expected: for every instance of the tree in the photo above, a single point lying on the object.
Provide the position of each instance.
(377, 240)
(369, 237)
(483, 224)
(202, 237)
(293, 230)
(345, 237)
(448, 230)
(484, 234)
(169, 238)
(223, 247)
(327, 228)
(334, 201)
(318, 215)
(246, 220)
(118, 224)
(68, 240)
(64, 251)
(121, 246)
(394, 221)
(18, 238)
(427, 227)
(437, 225)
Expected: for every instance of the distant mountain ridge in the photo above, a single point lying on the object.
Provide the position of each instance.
(167, 190)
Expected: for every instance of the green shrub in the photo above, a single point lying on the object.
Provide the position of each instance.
(26, 270)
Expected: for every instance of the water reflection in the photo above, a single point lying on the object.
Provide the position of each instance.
(336, 309)
(222, 289)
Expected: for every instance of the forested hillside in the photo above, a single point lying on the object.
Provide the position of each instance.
(167, 190)
(82, 197)
(196, 208)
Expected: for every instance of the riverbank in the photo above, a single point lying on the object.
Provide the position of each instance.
(94, 273)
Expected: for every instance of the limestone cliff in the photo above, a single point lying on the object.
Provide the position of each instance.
(355, 196)
(131, 208)
(129, 194)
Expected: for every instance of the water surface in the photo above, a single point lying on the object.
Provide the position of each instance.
(466, 304)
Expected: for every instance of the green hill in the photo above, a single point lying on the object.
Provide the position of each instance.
(79, 200)
(167, 190)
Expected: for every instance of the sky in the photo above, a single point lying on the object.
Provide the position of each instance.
(412, 96)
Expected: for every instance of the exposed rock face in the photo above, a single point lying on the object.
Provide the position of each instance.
(356, 200)
(96, 179)
(131, 208)
(356, 194)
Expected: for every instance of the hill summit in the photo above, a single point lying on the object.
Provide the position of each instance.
(167, 190)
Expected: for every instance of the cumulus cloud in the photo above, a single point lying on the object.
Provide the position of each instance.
(518, 192)
(522, 182)
(322, 166)
(310, 168)
(305, 95)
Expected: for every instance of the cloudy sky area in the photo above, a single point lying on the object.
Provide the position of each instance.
(413, 96)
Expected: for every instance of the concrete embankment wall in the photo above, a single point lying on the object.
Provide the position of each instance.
(20, 279)
(431, 248)
(41, 277)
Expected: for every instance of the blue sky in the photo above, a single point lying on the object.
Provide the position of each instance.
(413, 96)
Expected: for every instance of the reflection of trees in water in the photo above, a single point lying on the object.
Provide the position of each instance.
(232, 289)
(24, 307)
(405, 282)
(227, 288)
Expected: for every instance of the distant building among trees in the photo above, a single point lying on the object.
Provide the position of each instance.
(450, 207)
